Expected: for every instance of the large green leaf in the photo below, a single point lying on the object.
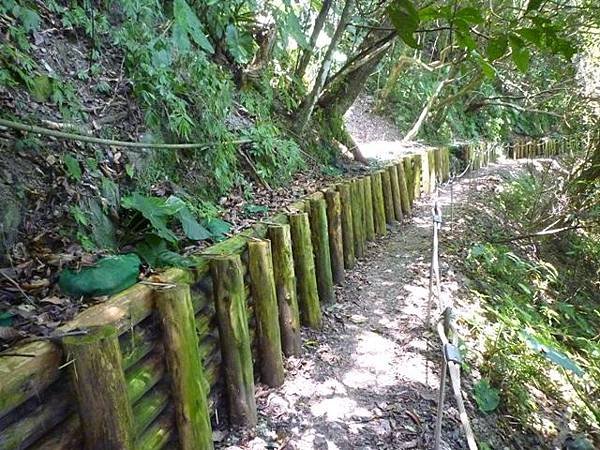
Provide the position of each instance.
(156, 210)
(470, 14)
(520, 53)
(405, 18)
(239, 44)
(293, 27)
(533, 35)
(192, 229)
(72, 166)
(487, 397)
(496, 47)
(218, 228)
(154, 251)
(187, 22)
(550, 353)
(108, 276)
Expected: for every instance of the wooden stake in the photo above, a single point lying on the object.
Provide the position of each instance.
(336, 244)
(234, 335)
(426, 177)
(432, 172)
(388, 200)
(369, 221)
(183, 362)
(347, 224)
(304, 265)
(397, 203)
(320, 241)
(378, 204)
(265, 306)
(357, 219)
(285, 287)
(417, 176)
(405, 199)
(99, 384)
(409, 176)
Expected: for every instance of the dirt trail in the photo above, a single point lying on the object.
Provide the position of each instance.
(369, 378)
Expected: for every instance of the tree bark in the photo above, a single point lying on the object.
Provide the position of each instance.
(307, 53)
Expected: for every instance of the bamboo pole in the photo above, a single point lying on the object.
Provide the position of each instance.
(265, 306)
(347, 224)
(234, 335)
(369, 221)
(99, 384)
(183, 362)
(334, 227)
(285, 287)
(405, 199)
(357, 219)
(378, 204)
(397, 203)
(304, 265)
(388, 201)
(320, 240)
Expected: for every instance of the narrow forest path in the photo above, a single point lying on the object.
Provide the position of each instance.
(369, 378)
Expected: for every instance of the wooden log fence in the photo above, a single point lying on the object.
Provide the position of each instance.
(147, 368)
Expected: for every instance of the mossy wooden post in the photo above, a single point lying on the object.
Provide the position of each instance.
(404, 198)
(357, 221)
(432, 174)
(396, 202)
(320, 241)
(424, 164)
(100, 389)
(369, 221)
(262, 283)
(378, 204)
(347, 224)
(180, 342)
(334, 228)
(417, 176)
(437, 158)
(234, 335)
(408, 176)
(388, 199)
(285, 288)
(446, 162)
(304, 265)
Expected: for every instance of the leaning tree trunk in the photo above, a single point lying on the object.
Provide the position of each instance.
(307, 53)
(308, 103)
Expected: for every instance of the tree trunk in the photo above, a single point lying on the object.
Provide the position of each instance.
(307, 53)
(308, 104)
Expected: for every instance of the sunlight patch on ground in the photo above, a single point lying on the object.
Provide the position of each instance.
(374, 362)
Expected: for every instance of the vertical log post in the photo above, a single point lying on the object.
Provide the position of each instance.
(180, 341)
(432, 174)
(397, 203)
(320, 241)
(437, 158)
(425, 171)
(99, 383)
(304, 265)
(369, 221)
(234, 335)
(378, 204)
(265, 305)
(388, 199)
(408, 175)
(334, 227)
(417, 175)
(347, 224)
(405, 199)
(285, 288)
(357, 222)
(446, 161)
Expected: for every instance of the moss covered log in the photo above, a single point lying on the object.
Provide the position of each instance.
(357, 218)
(432, 173)
(397, 203)
(159, 433)
(187, 377)
(304, 266)
(149, 408)
(334, 228)
(409, 176)
(347, 224)
(104, 409)
(388, 199)
(267, 313)
(404, 197)
(369, 220)
(320, 241)
(378, 204)
(285, 288)
(232, 318)
(425, 175)
(417, 176)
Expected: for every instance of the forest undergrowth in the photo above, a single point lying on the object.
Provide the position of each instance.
(531, 342)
